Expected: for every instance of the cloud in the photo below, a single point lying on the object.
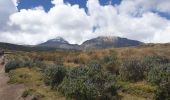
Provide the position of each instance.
(6, 9)
(128, 20)
(15, 2)
(67, 21)
(133, 19)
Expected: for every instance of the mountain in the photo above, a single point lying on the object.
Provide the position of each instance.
(95, 43)
(59, 42)
(109, 42)
(15, 47)
(55, 42)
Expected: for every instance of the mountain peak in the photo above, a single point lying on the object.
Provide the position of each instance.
(58, 40)
(107, 38)
(110, 41)
(96, 43)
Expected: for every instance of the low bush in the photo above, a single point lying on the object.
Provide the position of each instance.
(149, 62)
(40, 64)
(111, 63)
(131, 70)
(54, 75)
(89, 83)
(14, 64)
(11, 65)
(163, 92)
(159, 74)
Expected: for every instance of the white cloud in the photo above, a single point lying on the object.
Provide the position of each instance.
(15, 2)
(6, 9)
(132, 19)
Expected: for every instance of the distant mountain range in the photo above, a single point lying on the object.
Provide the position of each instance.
(95, 43)
(61, 44)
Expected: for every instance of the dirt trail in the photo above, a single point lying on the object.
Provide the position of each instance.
(9, 91)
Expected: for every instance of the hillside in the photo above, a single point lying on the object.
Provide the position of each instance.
(129, 70)
(9, 46)
(94, 43)
(109, 42)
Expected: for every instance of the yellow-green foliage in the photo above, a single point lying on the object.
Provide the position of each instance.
(125, 96)
(142, 88)
(26, 76)
(32, 79)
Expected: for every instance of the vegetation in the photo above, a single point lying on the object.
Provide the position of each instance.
(163, 92)
(111, 63)
(148, 62)
(12, 65)
(159, 74)
(54, 75)
(89, 83)
(131, 70)
(138, 73)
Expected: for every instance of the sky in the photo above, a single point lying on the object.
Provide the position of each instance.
(32, 22)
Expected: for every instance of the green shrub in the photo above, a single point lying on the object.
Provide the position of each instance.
(111, 63)
(40, 64)
(89, 83)
(14, 64)
(159, 74)
(150, 61)
(131, 70)
(11, 65)
(163, 92)
(54, 75)
(28, 63)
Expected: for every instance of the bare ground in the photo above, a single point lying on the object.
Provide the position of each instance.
(9, 91)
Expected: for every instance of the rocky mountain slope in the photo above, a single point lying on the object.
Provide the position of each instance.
(95, 43)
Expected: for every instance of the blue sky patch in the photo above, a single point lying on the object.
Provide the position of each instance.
(28, 4)
(46, 4)
(112, 2)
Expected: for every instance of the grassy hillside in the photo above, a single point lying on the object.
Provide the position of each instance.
(135, 73)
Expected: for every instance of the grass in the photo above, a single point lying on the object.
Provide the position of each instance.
(140, 89)
(70, 64)
(32, 79)
(26, 76)
(125, 96)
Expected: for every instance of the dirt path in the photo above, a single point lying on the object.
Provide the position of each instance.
(9, 91)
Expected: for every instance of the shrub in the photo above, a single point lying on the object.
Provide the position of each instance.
(163, 92)
(11, 65)
(40, 64)
(111, 63)
(159, 74)
(28, 63)
(131, 70)
(150, 61)
(54, 75)
(89, 83)
(14, 64)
